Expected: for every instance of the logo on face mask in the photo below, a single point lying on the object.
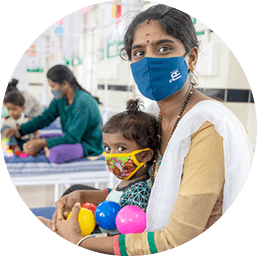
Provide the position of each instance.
(175, 75)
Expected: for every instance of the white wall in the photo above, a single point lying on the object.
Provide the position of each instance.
(219, 70)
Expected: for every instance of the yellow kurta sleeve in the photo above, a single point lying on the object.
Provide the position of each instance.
(202, 182)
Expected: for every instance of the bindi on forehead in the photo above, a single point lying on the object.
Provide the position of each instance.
(147, 22)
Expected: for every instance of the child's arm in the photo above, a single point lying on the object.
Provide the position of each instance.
(8, 133)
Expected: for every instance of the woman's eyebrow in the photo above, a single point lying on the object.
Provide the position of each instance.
(136, 46)
(165, 41)
(158, 42)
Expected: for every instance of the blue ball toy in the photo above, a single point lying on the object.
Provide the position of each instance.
(105, 214)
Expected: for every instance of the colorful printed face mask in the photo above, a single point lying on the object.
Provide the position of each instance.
(124, 165)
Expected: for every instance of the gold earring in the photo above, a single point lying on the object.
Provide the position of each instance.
(145, 165)
(193, 69)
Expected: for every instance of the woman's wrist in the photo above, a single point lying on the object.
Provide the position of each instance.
(43, 142)
(76, 238)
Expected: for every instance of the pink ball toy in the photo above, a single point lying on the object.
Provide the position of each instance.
(131, 219)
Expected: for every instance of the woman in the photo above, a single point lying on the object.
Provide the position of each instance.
(205, 153)
(80, 120)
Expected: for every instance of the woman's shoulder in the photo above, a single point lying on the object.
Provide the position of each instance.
(83, 97)
(207, 128)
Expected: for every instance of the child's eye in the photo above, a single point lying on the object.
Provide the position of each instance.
(121, 149)
(107, 149)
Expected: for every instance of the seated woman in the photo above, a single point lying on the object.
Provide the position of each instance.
(205, 153)
(80, 120)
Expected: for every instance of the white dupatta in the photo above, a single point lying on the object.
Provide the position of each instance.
(237, 156)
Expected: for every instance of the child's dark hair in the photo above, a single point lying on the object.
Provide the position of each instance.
(136, 125)
(12, 86)
(14, 97)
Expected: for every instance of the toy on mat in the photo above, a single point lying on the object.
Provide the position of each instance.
(23, 155)
(6, 148)
(105, 214)
(7, 151)
(86, 221)
(131, 219)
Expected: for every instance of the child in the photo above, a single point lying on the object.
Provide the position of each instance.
(14, 102)
(130, 142)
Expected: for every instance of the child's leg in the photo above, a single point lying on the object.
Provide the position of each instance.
(64, 153)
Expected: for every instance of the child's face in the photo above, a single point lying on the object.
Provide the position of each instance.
(117, 144)
(14, 111)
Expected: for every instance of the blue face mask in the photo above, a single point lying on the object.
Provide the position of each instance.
(158, 78)
(57, 94)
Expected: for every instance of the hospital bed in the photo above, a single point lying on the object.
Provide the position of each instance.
(39, 171)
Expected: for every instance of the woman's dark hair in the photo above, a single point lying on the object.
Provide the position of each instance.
(14, 97)
(136, 125)
(61, 73)
(12, 86)
(175, 22)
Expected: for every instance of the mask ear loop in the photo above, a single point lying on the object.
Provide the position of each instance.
(139, 165)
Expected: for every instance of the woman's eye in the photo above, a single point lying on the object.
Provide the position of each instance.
(164, 49)
(138, 53)
(121, 149)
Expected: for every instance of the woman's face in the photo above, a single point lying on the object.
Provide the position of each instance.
(150, 40)
(55, 85)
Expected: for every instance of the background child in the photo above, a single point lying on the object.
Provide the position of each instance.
(15, 104)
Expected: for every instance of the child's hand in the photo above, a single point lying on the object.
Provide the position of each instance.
(34, 146)
(8, 133)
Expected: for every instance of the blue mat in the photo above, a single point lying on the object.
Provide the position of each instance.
(46, 212)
